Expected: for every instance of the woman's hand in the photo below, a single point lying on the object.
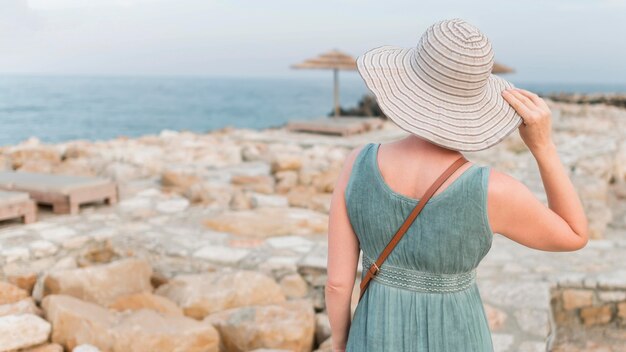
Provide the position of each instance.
(537, 126)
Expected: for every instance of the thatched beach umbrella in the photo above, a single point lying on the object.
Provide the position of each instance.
(499, 68)
(333, 60)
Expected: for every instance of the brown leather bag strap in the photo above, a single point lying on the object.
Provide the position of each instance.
(373, 270)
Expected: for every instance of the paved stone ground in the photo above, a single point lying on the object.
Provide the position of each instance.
(514, 281)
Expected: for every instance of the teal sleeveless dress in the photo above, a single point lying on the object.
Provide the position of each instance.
(425, 297)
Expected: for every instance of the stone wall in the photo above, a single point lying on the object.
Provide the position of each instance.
(590, 314)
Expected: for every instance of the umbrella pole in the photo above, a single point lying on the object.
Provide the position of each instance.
(336, 90)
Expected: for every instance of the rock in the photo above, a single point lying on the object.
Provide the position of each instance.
(178, 181)
(256, 183)
(621, 310)
(286, 180)
(61, 264)
(294, 286)
(307, 197)
(10, 293)
(596, 315)
(77, 322)
(76, 167)
(23, 279)
(148, 331)
(121, 171)
(252, 152)
(576, 298)
(43, 248)
(146, 300)
(325, 181)
(269, 222)
(496, 317)
(86, 348)
(24, 306)
(174, 205)
(14, 254)
(240, 201)
(22, 331)
(221, 254)
(101, 284)
(533, 321)
(35, 155)
(322, 328)
(202, 294)
(285, 162)
(211, 194)
(259, 200)
(47, 347)
(612, 296)
(289, 325)
(325, 346)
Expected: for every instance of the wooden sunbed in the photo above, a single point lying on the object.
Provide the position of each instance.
(342, 125)
(65, 193)
(17, 205)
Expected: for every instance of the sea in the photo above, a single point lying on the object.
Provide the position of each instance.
(61, 108)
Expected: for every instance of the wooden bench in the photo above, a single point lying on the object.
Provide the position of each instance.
(65, 193)
(17, 205)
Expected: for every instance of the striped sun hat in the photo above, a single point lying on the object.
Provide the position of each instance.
(442, 90)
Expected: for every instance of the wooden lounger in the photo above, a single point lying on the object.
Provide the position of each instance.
(65, 193)
(342, 125)
(17, 205)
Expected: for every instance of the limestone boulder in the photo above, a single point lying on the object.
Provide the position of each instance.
(86, 348)
(294, 286)
(202, 294)
(285, 162)
(326, 346)
(22, 278)
(42, 155)
(259, 200)
(148, 331)
(212, 194)
(10, 293)
(289, 325)
(308, 197)
(178, 181)
(322, 328)
(77, 322)
(24, 306)
(256, 183)
(146, 300)
(46, 347)
(101, 284)
(324, 181)
(22, 331)
(269, 222)
(286, 180)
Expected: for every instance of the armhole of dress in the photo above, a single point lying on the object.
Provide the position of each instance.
(355, 166)
(485, 191)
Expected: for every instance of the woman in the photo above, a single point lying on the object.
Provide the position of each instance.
(425, 297)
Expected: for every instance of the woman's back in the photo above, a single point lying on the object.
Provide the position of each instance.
(425, 296)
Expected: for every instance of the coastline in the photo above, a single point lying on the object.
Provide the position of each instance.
(257, 200)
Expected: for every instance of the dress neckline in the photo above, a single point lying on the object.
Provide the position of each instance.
(389, 190)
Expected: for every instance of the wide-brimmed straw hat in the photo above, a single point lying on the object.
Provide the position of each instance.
(442, 90)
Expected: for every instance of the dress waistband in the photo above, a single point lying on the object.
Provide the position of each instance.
(422, 281)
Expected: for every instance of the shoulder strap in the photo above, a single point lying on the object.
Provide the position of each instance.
(373, 270)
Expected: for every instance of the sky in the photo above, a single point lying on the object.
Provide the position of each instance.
(562, 41)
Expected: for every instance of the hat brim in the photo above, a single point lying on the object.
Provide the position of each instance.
(453, 122)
